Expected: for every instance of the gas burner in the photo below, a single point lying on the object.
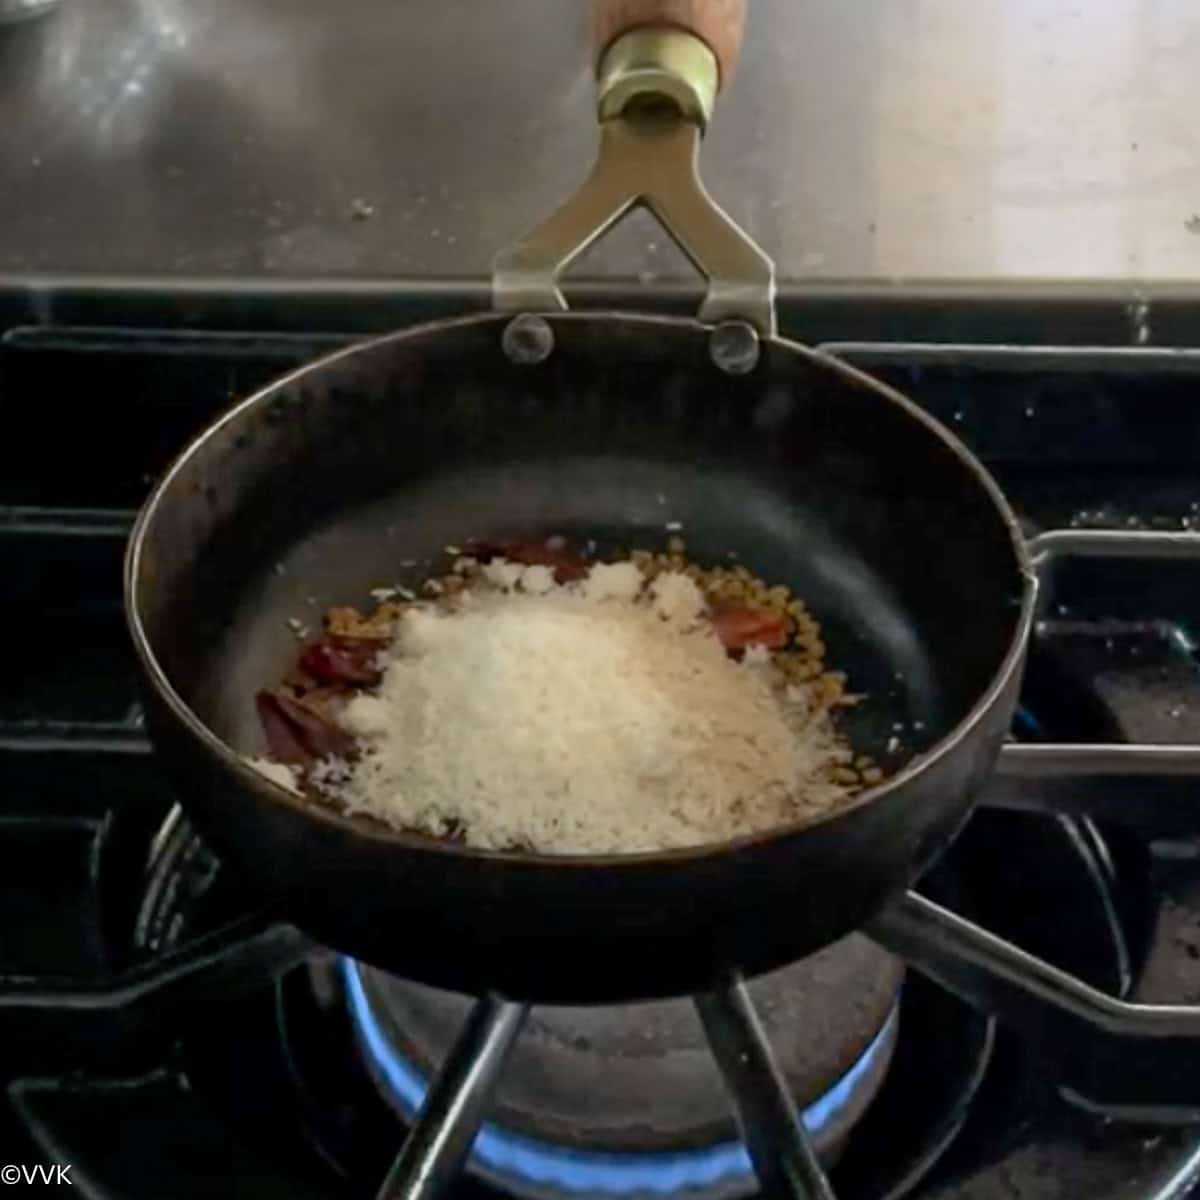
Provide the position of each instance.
(940, 1054)
(618, 1100)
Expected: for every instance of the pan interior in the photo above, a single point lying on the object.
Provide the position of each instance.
(358, 471)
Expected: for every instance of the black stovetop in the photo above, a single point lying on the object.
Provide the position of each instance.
(164, 1035)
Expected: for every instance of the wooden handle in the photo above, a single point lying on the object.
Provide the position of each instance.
(719, 23)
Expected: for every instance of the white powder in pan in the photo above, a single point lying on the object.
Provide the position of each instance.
(578, 720)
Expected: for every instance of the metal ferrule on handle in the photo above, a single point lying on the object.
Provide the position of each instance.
(656, 88)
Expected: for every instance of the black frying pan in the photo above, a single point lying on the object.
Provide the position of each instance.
(595, 426)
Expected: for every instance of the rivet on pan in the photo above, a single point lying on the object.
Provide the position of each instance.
(734, 347)
(527, 339)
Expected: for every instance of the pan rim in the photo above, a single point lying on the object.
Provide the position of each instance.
(378, 831)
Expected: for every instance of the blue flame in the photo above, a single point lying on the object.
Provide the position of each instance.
(1026, 724)
(591, 1171)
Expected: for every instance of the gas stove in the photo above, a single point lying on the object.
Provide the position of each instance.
(1025, 1023)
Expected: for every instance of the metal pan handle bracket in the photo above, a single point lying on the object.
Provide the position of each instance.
(655, 94)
